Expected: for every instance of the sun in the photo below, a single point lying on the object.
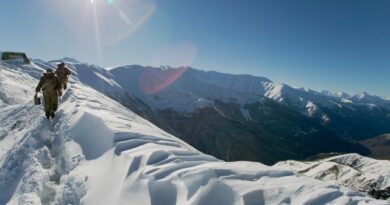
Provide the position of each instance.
(91, 1)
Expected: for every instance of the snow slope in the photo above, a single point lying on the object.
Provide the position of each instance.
(350, 170)
(98, 152)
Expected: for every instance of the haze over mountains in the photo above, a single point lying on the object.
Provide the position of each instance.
(242, 117)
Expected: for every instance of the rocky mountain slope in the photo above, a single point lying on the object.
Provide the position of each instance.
(379, 146)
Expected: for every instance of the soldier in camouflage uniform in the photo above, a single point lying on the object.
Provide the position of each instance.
(62, 73)
(51, 87)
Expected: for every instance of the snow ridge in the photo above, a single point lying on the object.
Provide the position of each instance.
(96, 151)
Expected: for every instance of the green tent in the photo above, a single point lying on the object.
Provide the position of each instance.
(17, 57)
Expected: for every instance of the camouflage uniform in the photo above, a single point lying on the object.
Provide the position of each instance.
(51, 88)
(62, 73)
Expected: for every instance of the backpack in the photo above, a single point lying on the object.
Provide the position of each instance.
(62, 72)
(50, 82)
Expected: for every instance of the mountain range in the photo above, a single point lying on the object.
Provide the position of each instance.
(241, 117)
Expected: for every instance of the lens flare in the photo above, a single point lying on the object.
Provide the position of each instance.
(100, 24)
(152, 81)
(97, 35)
(134, 19)
(178, 55)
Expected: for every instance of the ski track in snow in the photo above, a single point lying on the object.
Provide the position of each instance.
(98, 152)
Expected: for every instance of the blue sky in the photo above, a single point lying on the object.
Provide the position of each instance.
(338, 45)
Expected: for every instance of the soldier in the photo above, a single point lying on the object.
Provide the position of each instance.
(62, 73)
(51, 88)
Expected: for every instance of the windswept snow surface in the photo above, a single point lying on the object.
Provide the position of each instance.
(98, 152)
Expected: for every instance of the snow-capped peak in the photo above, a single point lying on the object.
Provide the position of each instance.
(365, 97)
(68, 60)
(337, 94)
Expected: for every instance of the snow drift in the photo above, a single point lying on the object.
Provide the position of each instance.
(98, 152)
